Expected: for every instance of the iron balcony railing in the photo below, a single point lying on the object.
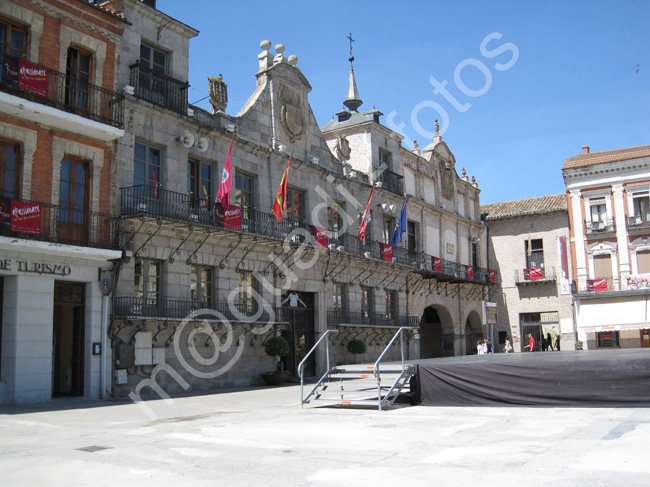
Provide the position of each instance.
(159, 88)
(600, 226)
(60, 91)
(336, 318)
(169, 309)
(638, 221)
(535, 275)
(57, 223)
(392, 182)
(186, 208)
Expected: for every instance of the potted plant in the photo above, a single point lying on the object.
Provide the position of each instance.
(276, 346)
(356, 346)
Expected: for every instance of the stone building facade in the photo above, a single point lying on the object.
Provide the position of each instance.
(59, 119)
(610, 225)
(529, 246)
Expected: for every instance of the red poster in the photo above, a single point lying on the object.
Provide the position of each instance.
(319, 235)
(436, 263)
(232, 220)
(491, 275)
(535, 273)
(386, 251)
(32, 77)
(470, 272)
(597, 285)
(25, 217)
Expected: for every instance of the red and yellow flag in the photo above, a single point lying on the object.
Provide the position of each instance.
(281, 198)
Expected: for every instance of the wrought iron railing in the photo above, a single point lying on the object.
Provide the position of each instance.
(180, 207)
(600, 226)
(638, 221)
(57, 223)
(392, 182)
(159, 88)
(532, 275)
(57, 90)
(336, 318)
(222, 311)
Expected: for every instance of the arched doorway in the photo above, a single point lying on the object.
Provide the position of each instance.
(436, 333)
(473, 332)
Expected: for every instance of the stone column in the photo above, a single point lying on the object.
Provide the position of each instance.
(579, 239)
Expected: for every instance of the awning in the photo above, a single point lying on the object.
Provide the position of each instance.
(632, 326)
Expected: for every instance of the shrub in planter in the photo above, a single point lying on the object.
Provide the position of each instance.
(355, 347)
(276, 346)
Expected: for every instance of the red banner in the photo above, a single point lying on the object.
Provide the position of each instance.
(319, 235)
(597, 285)
(491, 275)
(470, 271)
(25, 217)
(386, 252)
(232, 220)
(32, 77)
(535, 273)
(436, 264)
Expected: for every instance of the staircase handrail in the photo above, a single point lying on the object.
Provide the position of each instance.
(301, 366)
(397, 334)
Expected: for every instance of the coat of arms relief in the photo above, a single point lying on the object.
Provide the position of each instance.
(291, 112)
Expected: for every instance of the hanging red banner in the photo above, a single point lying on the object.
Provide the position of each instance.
(535, 273)
(32, 77)
(491, 275)
(470, 272)
(25, 217)
(436, 264)
(597, 285)
(386, 251)
(319, 235)
(232, 219)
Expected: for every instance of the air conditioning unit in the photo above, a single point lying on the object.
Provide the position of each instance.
(295, 239)
(332, 246)
(340, 248)
(142, 207)
(194, 217)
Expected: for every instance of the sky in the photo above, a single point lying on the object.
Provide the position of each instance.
(517, 86)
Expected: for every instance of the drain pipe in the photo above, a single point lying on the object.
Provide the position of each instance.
(103, 357)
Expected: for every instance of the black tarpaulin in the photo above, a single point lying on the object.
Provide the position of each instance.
(590, 378)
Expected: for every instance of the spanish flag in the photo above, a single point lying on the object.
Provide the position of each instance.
(281, 198)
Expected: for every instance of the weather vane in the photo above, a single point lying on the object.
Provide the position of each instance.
(351, 41)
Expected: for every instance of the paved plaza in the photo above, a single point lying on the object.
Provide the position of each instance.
(261, 437)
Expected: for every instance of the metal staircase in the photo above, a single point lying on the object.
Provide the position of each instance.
(376, 385)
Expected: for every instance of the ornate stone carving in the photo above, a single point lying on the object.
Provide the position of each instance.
(291, 113)
(218, 91)
(343, 148)
(446, 180)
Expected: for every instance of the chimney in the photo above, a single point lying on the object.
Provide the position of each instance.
(585, 149)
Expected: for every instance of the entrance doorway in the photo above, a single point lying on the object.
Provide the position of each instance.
(299, 309)
(68, 339)
(436, 339)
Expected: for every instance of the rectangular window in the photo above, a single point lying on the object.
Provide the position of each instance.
(245, 195)
(147, 169)
(388, 228)
(247, 290)
(334, 221)
(152, 83)
(641, 207)
(338, 298)
(603, 266)
(384, 160)
(391, 305)
(13, 39)
(366, 302)
(475, 255)
(147, 284)
(201, 286)
(77, 79)
(10, 165)
(608, 339)
(199, 183)
(643, 261)
(296, 205)
(73, 199)
(534, 253)
(412, 232)
(598, 210)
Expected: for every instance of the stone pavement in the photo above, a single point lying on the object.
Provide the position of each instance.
(261, 437)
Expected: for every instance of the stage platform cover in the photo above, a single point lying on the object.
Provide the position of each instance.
(589, 378)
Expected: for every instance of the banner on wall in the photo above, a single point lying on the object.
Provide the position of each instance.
(436, 264)
(319, 235)
(470, 272)
(25, 217)
(386, 252)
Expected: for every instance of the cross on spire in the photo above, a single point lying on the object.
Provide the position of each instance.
(351, 41)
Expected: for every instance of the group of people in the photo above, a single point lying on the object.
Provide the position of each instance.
(484, 347)
(547, 343)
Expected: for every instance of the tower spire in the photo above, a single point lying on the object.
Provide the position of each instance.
(352, 102)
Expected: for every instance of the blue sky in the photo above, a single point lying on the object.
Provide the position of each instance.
(574, 80)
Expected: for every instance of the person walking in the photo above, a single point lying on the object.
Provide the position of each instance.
(507, 348)
(531, 343)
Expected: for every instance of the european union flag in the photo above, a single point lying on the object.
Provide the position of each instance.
(400, 228)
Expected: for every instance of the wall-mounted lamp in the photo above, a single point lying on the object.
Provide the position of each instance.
(378, 184)
(282, 147)
(230, 128)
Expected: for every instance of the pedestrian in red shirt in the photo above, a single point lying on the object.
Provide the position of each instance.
(531, 343)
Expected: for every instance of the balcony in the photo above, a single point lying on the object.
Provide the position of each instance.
(391, 181)
(600, 226)
(185, 209)
(167, 309)
(54, 89)
(159, 88)
(59, 224)
(638, 221)
(535, 275)
(338, 318)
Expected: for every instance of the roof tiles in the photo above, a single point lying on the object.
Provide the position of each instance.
(528, 206)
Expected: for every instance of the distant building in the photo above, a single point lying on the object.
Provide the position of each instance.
(529, 246)
(609, 214)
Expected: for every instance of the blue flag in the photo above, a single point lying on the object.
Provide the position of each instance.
(400, 228)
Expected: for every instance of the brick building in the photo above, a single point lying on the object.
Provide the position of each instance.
(608, 194)
(529, 246)
(59, 119)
